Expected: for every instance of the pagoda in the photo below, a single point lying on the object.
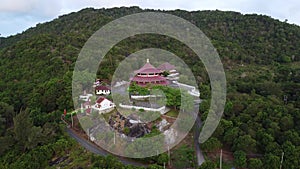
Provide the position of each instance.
(148, 74)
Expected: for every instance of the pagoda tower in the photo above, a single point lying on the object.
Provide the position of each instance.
(148, 74)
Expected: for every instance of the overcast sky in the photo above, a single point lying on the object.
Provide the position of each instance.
(18, 15)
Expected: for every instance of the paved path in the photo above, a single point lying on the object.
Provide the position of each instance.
(200, 157)
(95, 149)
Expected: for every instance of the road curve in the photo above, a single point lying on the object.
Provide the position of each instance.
(200, 157)
(96, 150)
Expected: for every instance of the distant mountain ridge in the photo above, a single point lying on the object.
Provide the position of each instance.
(252, 35)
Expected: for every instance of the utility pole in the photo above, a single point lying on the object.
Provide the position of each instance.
(281, 160)
(81, 108)
(72, 118)
(169, 156)
(114, 137)
(221, 158)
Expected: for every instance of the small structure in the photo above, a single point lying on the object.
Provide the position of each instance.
(87, 107)
(148, 74)
(97, 83)
(166, 67)
(170, 70)
(85, 97)
(103, 105)
(161, 109)
(164, 123)
(191, 89)
(121, 83)
(102, 90)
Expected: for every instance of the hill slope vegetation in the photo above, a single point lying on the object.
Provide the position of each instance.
(261, 57)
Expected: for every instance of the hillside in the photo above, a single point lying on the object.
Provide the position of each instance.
(261, 57)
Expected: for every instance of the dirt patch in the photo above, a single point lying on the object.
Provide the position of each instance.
(227, 155)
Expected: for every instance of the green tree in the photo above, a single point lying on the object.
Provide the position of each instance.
(6, 142)
(245, 143)
(187, 102)
(205, 91)
(2, 124)
(240, 159)
(6, 116)
(291, 155)
(136, 89)
(264, 139)
(208, 165)
(22, 128)
(286, 123)
(26, 134)
(230, 134)
(271, 161)
(255, 163)
(212, 144)
(183, 157)
(163, 159)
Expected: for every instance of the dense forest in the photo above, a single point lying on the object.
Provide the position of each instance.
(261, 58)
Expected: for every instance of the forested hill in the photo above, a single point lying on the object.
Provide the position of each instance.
(254, 38)
(261, 57)
(51, 48)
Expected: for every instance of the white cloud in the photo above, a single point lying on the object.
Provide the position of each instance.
(38, 8)
(16, 5)
(51, 9)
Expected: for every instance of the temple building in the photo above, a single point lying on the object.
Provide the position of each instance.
(148, 74)
(171, 71)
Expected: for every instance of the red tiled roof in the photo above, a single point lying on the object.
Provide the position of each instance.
(100, 99)
(166, 66)
(102, 88)
(148, 79)
(88, 110)
(147, 68)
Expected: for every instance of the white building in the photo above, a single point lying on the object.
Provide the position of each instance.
(102, 90)
(103, 105)
(85, 97)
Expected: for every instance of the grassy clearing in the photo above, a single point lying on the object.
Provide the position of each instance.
(172, 113)
(107, 115)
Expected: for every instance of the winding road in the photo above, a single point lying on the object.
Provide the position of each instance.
(200, 157)
(97, 150)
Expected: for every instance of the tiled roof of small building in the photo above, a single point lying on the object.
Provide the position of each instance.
(102, 88)
(100, 99)
(166, 66)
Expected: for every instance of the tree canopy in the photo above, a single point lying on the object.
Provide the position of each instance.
(261, 61)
